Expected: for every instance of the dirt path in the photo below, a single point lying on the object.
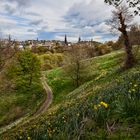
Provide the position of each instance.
(49, 98)
(40, 111)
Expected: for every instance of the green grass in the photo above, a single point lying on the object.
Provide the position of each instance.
(60, 84)
(15, 104)
(82, 114)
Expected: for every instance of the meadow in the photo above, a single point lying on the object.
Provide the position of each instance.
(106, 107)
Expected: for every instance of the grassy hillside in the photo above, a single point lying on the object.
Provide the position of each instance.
(15, 104)
(107, 107)
(60, 84)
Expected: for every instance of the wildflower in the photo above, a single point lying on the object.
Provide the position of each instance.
(104, 104)
(78, 114)
(135, 85)
(29, 138)
(50, 113)
(129, 91)
(95, 107)
(133, 90)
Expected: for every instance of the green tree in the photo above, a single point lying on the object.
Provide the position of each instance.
(25, 69)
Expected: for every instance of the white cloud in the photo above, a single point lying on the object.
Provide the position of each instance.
(11, 26)
(28, 19)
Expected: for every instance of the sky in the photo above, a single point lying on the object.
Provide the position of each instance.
(52, 19)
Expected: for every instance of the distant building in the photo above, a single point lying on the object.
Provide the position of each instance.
(66, 42)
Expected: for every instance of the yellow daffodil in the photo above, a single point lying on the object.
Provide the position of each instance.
(104, 104)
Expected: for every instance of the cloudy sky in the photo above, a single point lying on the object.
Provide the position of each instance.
(52, 19)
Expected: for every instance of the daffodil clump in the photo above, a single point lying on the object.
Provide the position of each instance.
(133, 87)
(103, 104)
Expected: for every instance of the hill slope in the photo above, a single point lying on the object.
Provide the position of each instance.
(107, 107)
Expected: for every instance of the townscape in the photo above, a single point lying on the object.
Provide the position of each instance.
(77, 80)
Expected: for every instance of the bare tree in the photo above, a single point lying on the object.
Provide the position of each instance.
(74, 66)
(120, 21)
(7, 51)
(133, 4)
(134, 35)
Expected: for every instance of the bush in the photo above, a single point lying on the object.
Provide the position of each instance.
(51, 60)
(103, 49)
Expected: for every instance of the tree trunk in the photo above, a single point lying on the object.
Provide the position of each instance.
(77, 73)
(129, 61)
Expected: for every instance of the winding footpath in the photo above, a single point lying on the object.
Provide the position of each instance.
(40, 111)
(49, 99)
